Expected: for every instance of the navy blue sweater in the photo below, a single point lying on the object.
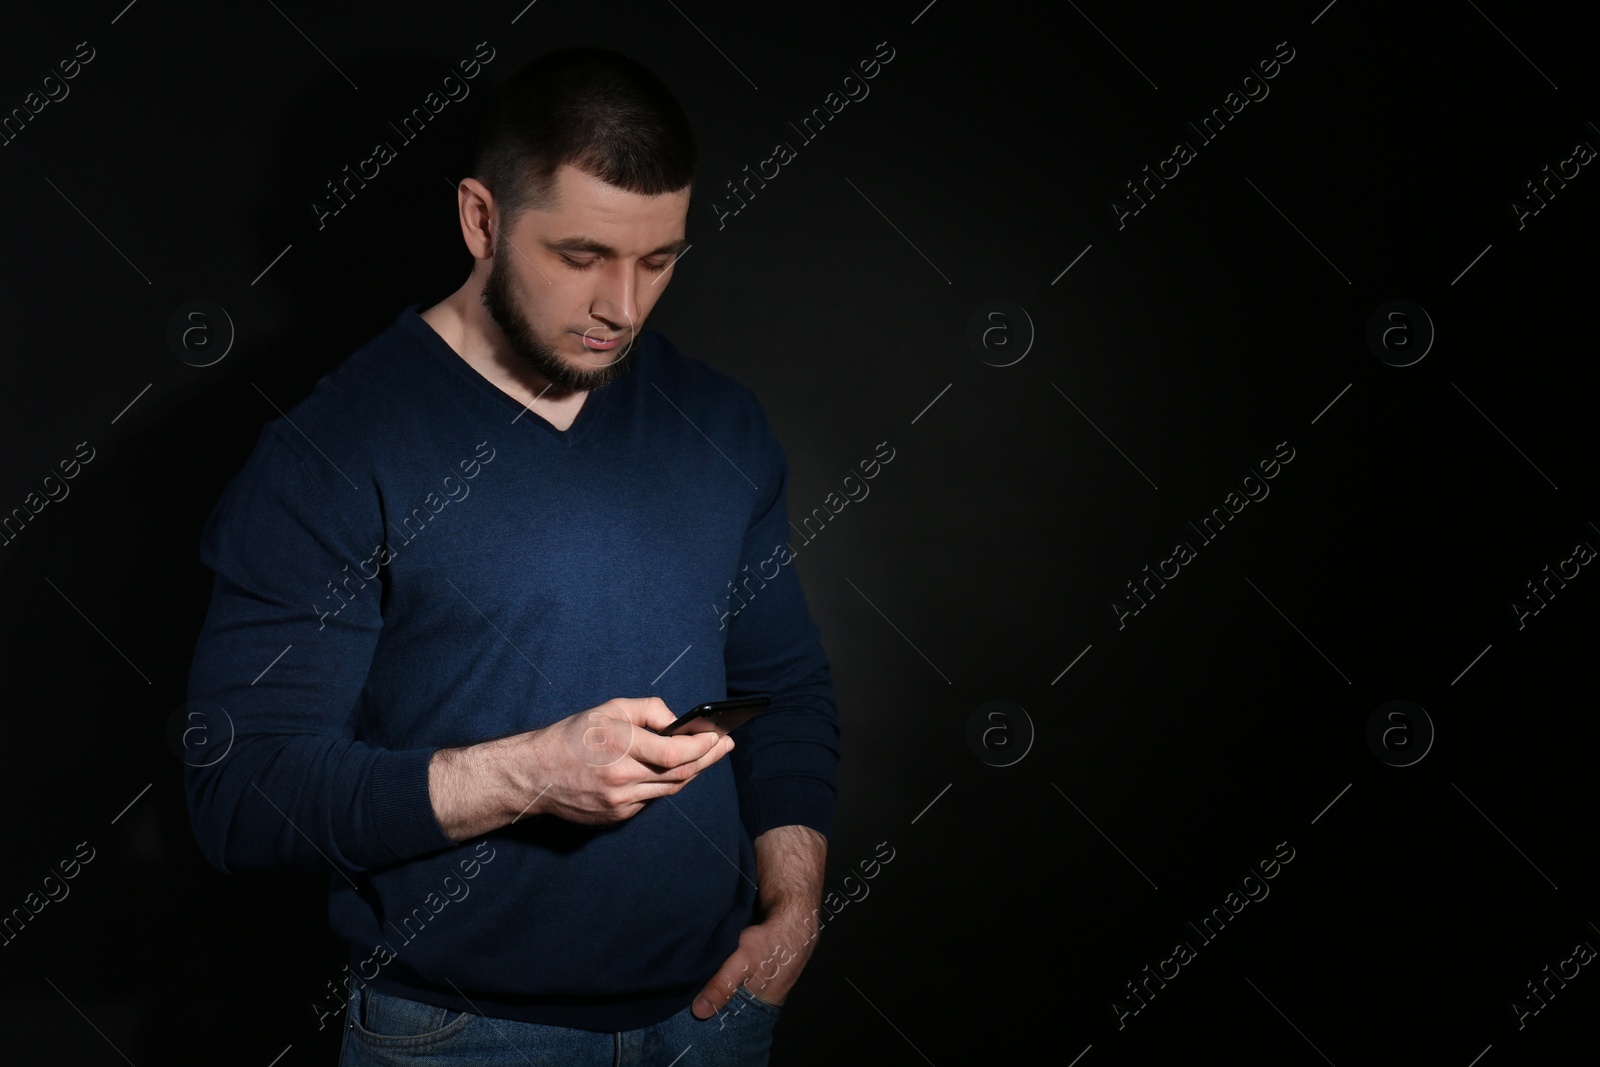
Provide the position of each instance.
(411, 561)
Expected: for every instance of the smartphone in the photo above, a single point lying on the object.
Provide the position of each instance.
(718, 716)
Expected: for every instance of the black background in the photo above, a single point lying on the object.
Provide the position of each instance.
(1222, 319)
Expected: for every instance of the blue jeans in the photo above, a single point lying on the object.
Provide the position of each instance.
(383, 1030)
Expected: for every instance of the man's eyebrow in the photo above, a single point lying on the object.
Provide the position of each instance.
(579, 243)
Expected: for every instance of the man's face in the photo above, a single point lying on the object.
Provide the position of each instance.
(570, 287)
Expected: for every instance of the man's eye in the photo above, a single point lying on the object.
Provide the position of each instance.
(587, 263)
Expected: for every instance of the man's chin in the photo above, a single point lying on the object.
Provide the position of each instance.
(605, 365)
(582, 376)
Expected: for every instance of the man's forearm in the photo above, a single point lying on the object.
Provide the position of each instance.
(790, 863)
(789, 867)
(473, 789)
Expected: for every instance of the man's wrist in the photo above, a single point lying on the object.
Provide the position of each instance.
(510, 761)
(790, 913)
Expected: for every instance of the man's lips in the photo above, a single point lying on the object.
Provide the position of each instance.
(600, 344)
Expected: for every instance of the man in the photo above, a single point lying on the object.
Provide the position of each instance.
(460, 586)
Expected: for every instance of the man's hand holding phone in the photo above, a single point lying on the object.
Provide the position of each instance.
(603, 765)
(597, 767)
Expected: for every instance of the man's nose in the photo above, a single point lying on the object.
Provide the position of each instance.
(616, 298)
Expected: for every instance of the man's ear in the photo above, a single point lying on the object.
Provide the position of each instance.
(478, 215)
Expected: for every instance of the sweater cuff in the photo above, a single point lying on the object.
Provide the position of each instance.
(402, 809)
(791, 800)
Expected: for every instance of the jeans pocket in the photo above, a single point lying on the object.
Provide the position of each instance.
(743, 993)
(385, 1019)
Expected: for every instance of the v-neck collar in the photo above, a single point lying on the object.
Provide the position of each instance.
(587, 414)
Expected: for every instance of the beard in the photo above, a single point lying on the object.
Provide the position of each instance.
(501, 301)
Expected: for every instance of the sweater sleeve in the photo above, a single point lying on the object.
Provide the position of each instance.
(786, 760)
(277, 677)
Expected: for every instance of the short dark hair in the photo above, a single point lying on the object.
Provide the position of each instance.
(595, 109)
